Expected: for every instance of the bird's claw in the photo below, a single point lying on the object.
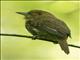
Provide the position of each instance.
(34, 37)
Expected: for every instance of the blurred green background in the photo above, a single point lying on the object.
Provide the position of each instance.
(16, 48)
(40, 0)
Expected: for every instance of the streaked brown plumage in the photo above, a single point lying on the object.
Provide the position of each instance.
(45, 25)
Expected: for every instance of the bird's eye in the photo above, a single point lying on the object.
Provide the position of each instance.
(29, 13)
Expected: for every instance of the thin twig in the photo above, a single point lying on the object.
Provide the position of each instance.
(73, 45)
(16, 35)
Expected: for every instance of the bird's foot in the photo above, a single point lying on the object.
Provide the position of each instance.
(34, 37)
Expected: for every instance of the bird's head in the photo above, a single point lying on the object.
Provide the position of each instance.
(34, 13)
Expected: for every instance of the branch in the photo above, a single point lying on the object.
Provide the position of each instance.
(73, 45)
(24, 36)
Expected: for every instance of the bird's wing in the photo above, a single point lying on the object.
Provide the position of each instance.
(53, 27)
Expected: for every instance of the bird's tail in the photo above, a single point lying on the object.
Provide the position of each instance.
(64, 46)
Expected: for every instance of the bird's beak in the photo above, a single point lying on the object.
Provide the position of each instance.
(22, 13)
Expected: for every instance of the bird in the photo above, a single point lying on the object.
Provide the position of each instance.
(43, 24)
